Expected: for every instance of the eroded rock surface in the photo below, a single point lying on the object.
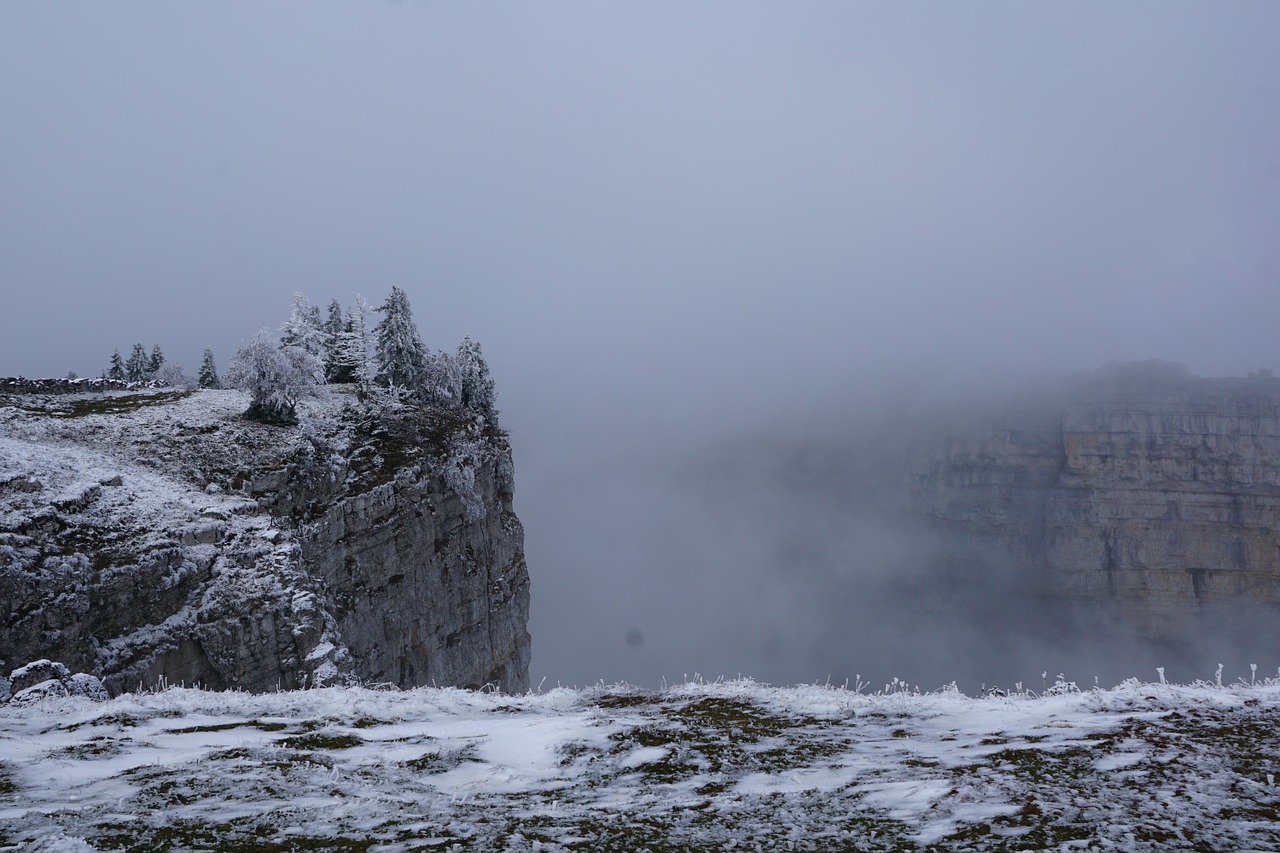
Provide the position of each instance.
(156, 536)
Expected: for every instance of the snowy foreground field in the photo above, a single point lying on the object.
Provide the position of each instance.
(726, 765)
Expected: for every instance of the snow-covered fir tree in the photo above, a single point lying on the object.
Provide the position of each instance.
(355, 345)
(478, 396)
(400, 357)
(335, 326)
(208, 375)
(135, 369)
(442, 382)
(155, 363)
(116, 369)
(275, 376)
(304, 328)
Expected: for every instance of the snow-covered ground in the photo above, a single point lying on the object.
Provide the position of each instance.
(726, 765)
(198, 439)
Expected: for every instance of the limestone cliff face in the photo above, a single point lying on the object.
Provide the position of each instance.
(155, 535)
(1155, 497)
(428, 586)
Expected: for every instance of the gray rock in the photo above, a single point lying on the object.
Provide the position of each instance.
(51, 689)
(425, 592)
(326, 574)
(78, 502)
(1156, 501)
(23, 484)
(84, 684)
(36, 672)
(208, 533)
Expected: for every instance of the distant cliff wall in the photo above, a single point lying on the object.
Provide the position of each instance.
(1155, 498)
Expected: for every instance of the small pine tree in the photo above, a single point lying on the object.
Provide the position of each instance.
(155, 362)
(398, 351)
(116, 370)
(208, 375)
(135, 369)
(478, 396)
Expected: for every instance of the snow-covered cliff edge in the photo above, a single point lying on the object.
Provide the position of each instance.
(152, 536)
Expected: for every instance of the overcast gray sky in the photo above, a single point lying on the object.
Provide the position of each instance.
(664, 221)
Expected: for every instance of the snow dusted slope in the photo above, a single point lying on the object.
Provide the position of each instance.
(119, 553)
(151, 536)
(736, 765)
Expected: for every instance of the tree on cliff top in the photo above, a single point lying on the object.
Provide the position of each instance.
(354, 357)
(442, 382)
(478, 395)
(398, 351)
(304, 328)
(276, 377)
(336, 369)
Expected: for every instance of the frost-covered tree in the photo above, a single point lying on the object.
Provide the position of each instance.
(442, 383)
(276, 377)
(135, 369)
(155, 363)
(208, 375)
(335, 326)
(116, 370)
(400, 357)
(304, 329)
(175, 376)
(478, 395)
(355, 345)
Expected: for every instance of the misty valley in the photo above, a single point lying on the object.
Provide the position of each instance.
(1099, 524)
(1064, 566)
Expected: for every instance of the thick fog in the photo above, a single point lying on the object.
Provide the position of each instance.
(712, 252)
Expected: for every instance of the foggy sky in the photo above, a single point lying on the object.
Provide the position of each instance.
(670, 225)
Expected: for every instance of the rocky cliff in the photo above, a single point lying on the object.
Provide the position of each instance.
(1148, 494)
(155, 535)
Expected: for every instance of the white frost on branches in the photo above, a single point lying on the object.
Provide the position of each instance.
(477, 385)
(304, 328)
(442, 383)
(399, 353)
(355, 344)
(276, 377)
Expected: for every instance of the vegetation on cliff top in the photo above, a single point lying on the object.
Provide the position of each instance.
(387, 362)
